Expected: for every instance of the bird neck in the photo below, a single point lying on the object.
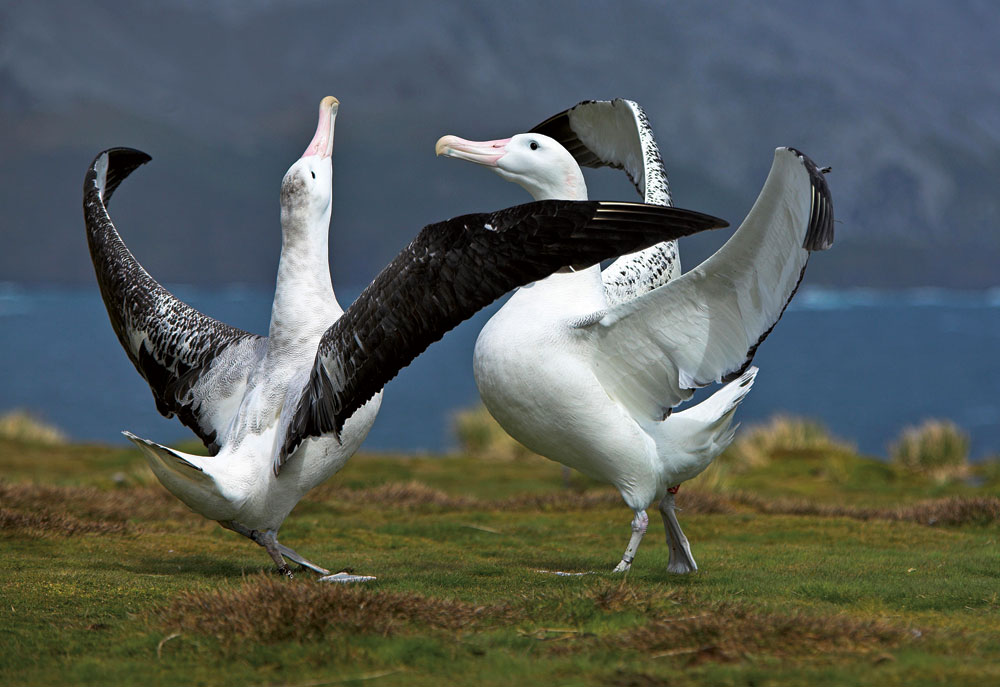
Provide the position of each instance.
(304, 302)
(569, 186)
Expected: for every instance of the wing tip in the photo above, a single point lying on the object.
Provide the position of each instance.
(112, 166)
(819, 235)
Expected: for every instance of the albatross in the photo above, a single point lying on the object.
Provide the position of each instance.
(281, 413)
(588, 369)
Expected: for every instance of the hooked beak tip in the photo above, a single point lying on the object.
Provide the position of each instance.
(442, 147)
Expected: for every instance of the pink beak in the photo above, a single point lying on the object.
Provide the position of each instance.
(322, 143)
(481, 152)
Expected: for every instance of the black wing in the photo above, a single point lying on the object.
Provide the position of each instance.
(173, 346)
(447, 273)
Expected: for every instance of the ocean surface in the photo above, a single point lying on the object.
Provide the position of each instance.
(864, 363)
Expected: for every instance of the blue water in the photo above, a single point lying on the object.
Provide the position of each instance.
(865, 363)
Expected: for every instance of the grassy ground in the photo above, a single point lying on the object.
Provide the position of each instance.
(817, 566)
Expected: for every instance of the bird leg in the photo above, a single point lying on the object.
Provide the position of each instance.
(278, 552)
(681, 560)
(639, 524)
(296, 558)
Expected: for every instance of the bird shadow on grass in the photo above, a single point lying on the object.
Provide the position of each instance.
(190, 564)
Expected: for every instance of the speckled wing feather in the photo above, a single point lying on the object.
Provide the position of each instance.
(706, 325)
(447, 273)
(195, 366)
(616, 133)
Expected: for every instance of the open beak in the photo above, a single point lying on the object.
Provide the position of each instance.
(322, 143)
(481, 152)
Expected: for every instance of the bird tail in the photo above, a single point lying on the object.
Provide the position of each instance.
(185, 476)
(711, 427)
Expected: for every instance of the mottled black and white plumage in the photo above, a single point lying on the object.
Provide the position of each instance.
(591, 379)
(282, 413)
(177, 350)
(616, 133)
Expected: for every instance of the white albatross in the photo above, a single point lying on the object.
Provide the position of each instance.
(591, 380)
(282, 413)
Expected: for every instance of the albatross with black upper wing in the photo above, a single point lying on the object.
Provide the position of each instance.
(587, 368)
(280, 414)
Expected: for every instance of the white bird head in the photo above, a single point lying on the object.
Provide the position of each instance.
(307, 188)
(537, 163)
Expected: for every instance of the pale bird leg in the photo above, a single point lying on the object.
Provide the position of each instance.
(278, 552)
(639, 524)
(681, 560)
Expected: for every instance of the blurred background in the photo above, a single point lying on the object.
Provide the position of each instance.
(900, 321)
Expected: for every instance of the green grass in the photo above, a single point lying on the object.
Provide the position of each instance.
(816, 567)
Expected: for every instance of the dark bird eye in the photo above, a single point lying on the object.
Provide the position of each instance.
(534, 145)
(314, 174)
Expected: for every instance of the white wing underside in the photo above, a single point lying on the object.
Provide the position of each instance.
(616, 133)
(704, 326)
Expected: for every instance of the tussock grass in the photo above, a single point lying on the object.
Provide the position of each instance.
(20, 425)
(937, 449)
(268, 608)
(480, 435)
(783, 437)
(729, 631)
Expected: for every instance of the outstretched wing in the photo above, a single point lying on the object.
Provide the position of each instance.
(612, 133)
(706, 325)
(196, 366)
(447, 273)
(616, 133)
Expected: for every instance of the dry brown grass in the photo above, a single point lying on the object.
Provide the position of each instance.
(399, 495)
(955, 510)
(415, 495)
(618, 595)
(57, 524)
(110, 506)
(267, 608)
(732, 631)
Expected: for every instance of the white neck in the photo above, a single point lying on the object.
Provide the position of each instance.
(570, 186)
(304, 302)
